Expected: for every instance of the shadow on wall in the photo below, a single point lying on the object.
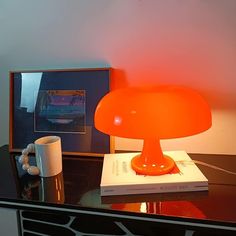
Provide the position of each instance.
(118, 79)
(220, 99)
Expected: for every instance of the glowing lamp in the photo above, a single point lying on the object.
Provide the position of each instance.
(152, 114)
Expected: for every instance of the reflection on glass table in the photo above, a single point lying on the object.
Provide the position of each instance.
(76, 191)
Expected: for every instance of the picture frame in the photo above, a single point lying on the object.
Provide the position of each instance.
(62, 103)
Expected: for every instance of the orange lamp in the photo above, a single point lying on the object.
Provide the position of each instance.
(152, 114)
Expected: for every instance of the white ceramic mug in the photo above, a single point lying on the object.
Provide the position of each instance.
(48, 156)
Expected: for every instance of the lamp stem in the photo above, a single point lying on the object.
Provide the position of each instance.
(152, 161)
(152, 153)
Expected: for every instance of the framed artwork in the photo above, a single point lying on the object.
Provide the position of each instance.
(62, 103)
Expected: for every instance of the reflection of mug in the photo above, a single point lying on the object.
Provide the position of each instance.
(48, 156)
(52, 189)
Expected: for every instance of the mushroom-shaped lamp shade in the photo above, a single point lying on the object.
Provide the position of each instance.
(152, 114)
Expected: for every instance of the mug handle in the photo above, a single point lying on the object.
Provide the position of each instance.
(24, 160)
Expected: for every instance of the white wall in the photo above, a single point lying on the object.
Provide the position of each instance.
(188, 42)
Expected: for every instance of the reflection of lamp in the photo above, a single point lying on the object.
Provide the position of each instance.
(152, 114)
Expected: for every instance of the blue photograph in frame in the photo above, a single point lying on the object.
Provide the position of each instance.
(62, 103)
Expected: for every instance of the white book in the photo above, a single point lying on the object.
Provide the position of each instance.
(118, 178)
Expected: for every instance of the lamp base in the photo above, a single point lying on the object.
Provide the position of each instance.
(165, 167)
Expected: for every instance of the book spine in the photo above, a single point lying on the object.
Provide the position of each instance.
(167, 188)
